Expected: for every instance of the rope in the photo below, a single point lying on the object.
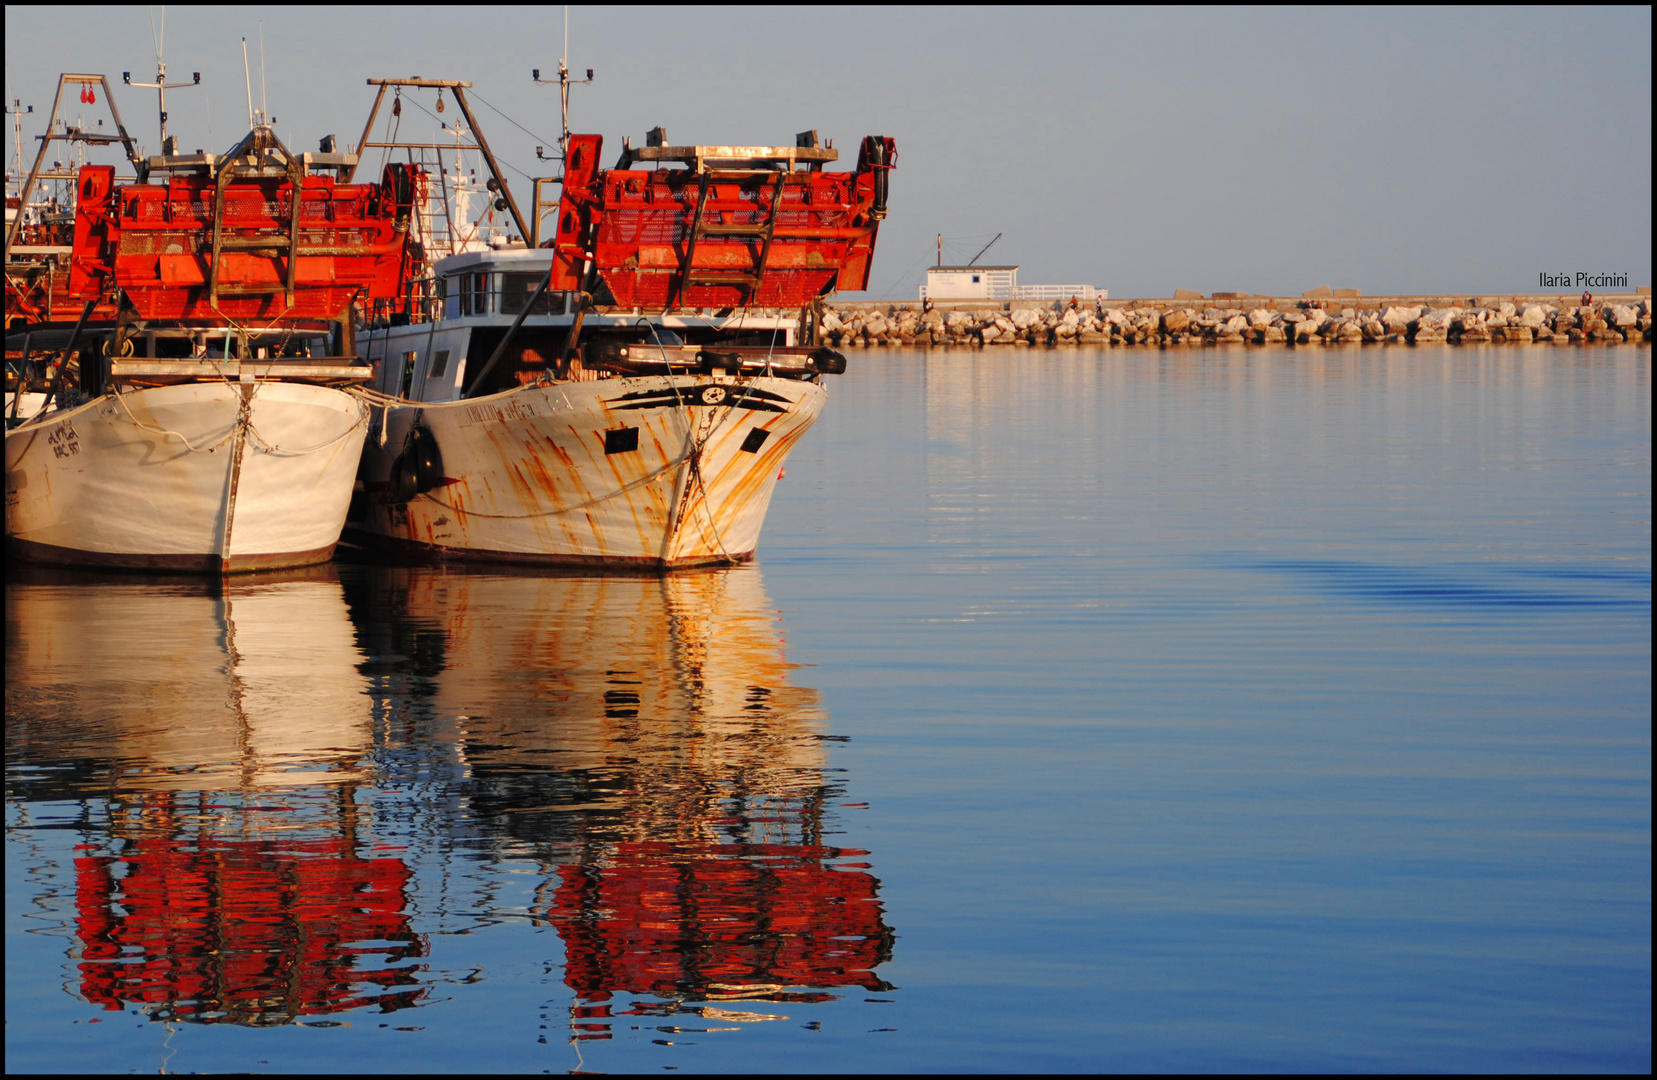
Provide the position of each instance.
(545, 141)
(272, 448)
(695, 455)
(266, 444)
(555, 511)
(119, 400)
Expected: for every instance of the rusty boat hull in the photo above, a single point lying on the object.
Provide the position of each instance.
(646, 473)
(201, 477)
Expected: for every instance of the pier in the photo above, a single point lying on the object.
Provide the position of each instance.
(1321, 317)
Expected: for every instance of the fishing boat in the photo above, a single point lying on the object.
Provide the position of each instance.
(206, 426)
(625, 393)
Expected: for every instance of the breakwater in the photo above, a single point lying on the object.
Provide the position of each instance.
(1242, 321)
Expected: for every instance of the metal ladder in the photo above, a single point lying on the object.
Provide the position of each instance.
(276, 244)
(748, 280)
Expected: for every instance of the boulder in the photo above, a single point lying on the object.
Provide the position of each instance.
(1175, 320)
(1271, 334)
(1024, 318)
(1397, 319)
(1518, 335)
(991, 333)
(1474, 332)
(1374, 330)
(1004, 324)
(1622, 316)
(1235, 325)
(1506, 310)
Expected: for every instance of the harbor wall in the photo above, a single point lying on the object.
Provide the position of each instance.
(1224, 319)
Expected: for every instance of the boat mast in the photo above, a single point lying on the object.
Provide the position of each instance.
(564, 84)
(161, 85)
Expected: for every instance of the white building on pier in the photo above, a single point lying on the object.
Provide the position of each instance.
(997, 283)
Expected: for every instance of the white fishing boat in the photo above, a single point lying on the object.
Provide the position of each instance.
(206, 427)
(640, 455)
(218, 475)
(625, 394)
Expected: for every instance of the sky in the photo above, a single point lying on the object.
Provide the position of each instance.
(1263, 150)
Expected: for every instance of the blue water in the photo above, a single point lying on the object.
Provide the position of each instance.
(1123, 710)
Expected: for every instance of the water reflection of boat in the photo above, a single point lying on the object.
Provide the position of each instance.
(268, 794)
(643, 739)
(191, 919)
(224, 729)
(183, 684)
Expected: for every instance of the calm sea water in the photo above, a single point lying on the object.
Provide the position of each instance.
(1129, 710)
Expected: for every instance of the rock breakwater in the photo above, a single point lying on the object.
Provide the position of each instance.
(1305, 324)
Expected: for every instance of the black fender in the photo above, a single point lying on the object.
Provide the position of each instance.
(419, 467)
(828, 362)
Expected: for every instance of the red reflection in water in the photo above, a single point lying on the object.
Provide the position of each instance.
(713, 919)
(244, 931)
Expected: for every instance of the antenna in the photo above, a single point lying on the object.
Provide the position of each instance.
(18, 110)
(249, 78)
(264, 105)
(986, 247)
(161, 85)
(564, 84)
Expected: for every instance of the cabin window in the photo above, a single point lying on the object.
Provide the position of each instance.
(756, 439)
(405, 386)
(621, 440)
(516, 289)
(474, 294)
(440, 364)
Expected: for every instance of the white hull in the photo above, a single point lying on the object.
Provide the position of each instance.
(187, 477)
(540, 475)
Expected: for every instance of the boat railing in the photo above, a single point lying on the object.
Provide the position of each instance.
(460, 296)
